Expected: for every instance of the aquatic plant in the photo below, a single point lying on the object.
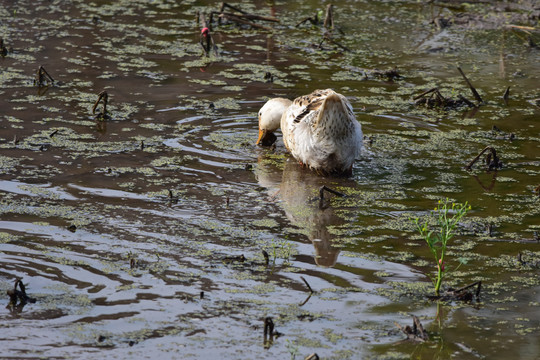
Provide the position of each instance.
(279, 249)
(292, 347)
(447, 217)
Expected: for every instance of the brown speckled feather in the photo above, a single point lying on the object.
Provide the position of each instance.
(320, 131)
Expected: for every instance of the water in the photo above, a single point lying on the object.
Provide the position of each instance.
(116, 227)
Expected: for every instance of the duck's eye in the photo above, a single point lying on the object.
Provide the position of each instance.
(260, 113)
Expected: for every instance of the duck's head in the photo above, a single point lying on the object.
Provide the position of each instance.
(270, 119)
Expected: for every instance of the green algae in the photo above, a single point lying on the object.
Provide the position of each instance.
(7, 237)
(414, 290)
(66, 299)
(7, 164)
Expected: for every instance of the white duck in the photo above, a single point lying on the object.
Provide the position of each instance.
(319, 129)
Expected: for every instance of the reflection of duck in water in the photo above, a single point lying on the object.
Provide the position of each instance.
(299, 190)
(319, 130)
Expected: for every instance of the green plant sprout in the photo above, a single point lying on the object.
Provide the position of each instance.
(293, 348)
(280, 249)
(447, 218)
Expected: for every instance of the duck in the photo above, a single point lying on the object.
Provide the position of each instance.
(319, 130)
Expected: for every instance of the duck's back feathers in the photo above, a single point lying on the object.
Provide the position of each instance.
(320, 131)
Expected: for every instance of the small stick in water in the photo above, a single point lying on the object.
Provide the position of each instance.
(307, 284)
(101, 96)
(225, 5)
(506, 95)
(321, 194)
(473, 90)
(493, 161)
(268, 332)
(42, 77)
(3, 49)
(329, 18)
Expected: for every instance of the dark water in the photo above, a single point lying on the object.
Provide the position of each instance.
(116, 227)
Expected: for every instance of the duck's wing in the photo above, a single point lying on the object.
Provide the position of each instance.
(321, 131)
(306, 106)
(303, 111)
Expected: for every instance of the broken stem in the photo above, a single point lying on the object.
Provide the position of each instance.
(473, 90)
(248, 16)
(101, 96)
(321, 194)
(327, 37)
(506, 95)
(205, 39)
(478, 285)
(268, 329)
(493, 153)
(41, 76)
(329, 18)
(266, 257)
(307, 284)
(233, 8)
(466, 101)
(237, 19)
(425, 93)
(310, 19)
(418, 328)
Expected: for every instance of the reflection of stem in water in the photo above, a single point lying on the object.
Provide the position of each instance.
(491, 185)
(305, 301)
(324, 188)
(439, 315)
(440, 321)
(502, 66)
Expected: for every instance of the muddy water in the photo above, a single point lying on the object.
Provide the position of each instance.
(129, 232)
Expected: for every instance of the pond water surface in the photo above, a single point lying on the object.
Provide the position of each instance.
(142, 235)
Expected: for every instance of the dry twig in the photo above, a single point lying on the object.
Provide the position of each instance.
(102, 96)
(492, 160)
(42, 77)
(329, 17)
(416, 333)
(473, 90)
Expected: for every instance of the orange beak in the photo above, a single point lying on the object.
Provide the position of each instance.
(266, 138)
(262, 134)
